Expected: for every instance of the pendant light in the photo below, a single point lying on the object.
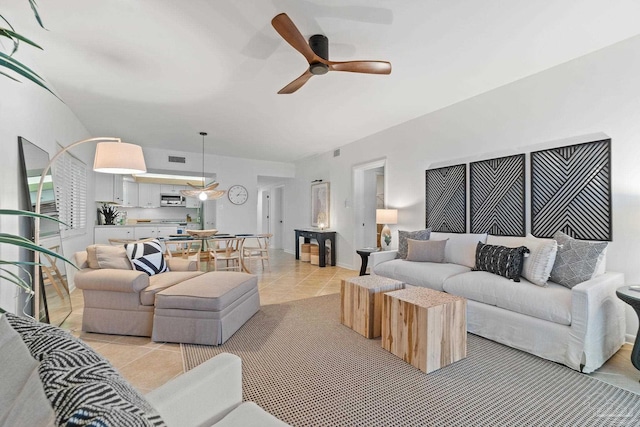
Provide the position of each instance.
(203, 192)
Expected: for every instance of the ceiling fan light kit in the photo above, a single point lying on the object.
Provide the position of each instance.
(316, 52)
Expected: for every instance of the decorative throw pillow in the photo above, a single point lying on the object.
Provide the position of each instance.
(83, 388)
(147, 257)
(426, 250)
(92, 259)
(500, 260)
(403, 246)
(576, 261)
(542, 255)
(112, 257)
(461, 247)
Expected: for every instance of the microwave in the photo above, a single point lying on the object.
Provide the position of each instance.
(172, 200)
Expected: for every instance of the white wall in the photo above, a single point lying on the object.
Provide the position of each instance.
(593, 95)
(27, 110)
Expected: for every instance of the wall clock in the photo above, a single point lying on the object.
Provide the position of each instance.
(237, 194)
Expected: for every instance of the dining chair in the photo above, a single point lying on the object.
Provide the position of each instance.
(229, 254)
(259, 252)
(185, 250)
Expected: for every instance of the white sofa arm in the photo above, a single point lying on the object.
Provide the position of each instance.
(597, 321)
(201, 396)
(376, 258)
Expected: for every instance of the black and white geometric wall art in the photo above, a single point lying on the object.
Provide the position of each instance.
(446, 199)
(571, 191)
(497, 196)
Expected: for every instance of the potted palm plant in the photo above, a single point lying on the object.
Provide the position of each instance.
(11, 67)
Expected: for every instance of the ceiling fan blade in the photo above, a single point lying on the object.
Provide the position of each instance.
(287, 29)
(296, 84)
(368, 67)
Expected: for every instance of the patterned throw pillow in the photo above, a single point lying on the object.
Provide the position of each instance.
(426, 250)
(576, 261)
(83, 388)
(500, 260)
(147, 257)
(403, 246)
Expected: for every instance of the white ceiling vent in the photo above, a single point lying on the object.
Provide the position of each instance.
(336, 153)
(177, 159)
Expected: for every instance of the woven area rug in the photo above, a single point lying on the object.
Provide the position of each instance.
(301, 365)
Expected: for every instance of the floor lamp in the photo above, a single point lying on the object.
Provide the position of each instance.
(112, 156)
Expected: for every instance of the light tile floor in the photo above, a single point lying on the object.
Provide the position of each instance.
(148, 365)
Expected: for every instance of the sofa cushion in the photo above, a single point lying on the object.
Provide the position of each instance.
(22, 398)
(109, 256)
(403, 246)
(426, 250)
(147, 256)
(461, 248)
(160, 282)
(500, 260)
(552, 303)
(83, 388)
(539, 262)
(577, 260)
(426, 274)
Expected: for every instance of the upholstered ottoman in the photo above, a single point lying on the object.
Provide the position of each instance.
(207, 309)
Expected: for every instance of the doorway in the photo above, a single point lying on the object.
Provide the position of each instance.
(270, 214)
(368, 195)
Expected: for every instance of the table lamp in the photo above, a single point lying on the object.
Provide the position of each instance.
(386, 216)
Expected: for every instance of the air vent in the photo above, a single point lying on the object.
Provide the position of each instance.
(176, 159)
(336, 153)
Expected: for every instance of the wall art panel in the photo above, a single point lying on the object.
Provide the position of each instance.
(446, 199)
(497, 196)
(571, 191)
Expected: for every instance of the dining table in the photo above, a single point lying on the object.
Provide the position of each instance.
(207, 243)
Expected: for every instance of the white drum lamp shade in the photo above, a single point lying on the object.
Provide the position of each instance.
(119, 158)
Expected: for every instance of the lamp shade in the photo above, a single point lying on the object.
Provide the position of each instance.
(386, 216)
(119, 158)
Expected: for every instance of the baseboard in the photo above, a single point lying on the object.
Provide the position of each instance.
(630, 339)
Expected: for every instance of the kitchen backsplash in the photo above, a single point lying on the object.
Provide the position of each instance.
(164, 213)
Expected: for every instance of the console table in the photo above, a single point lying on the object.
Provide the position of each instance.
(321, 236)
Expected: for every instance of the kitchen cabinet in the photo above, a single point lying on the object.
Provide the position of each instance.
(101, 235)
(154, 232)
(130, 194)
(109, 188)
(193, 202)
(171, 189)
(148, 195)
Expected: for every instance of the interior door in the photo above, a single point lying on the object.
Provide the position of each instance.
(277, 214)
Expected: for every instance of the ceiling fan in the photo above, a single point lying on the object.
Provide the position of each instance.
(316, 52)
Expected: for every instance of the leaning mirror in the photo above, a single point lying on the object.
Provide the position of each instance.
(55, 303)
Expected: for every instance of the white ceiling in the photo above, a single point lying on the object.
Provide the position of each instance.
(156, 72)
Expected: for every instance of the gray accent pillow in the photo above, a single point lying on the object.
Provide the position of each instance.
(22, 398)
(83, 388)
(576, 261)
(426, 250)
(403, 246)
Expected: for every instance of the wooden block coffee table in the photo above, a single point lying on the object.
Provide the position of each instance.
(425, 328)
(361, 303)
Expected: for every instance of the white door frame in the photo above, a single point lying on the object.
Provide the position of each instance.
(358, 200)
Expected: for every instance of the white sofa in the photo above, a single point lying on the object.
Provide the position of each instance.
(579, 327)
(42, 364)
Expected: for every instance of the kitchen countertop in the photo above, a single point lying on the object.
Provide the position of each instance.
(149, 224)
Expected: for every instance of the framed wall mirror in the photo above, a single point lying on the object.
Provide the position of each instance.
(55, 303)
